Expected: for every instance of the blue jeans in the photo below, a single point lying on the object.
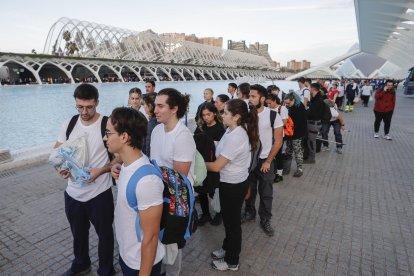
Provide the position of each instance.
(337, 131)
(127, 271)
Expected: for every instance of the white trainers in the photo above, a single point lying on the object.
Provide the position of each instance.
(376, 135)
(387, 137)
(218, 254)
(324, 148)
(223, 265)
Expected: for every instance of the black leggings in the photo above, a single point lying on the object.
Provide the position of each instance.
(386, 116)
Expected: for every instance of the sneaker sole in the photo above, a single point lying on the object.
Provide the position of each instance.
(216, 258)
(229, 268)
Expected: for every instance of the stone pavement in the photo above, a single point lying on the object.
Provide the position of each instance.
(350, 214)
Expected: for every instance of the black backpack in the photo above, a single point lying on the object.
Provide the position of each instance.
(72, 124)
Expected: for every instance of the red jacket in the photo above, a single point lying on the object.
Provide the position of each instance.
(384, 100)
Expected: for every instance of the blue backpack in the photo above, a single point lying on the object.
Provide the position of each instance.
(179, 216)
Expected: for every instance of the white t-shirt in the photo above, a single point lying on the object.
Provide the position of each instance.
(341, 90)
(284, 112)
(142, 110)
(97, 156)
(148, 193)
(234, 146)
(266, 131)
(334, 113)
(366, 90)
(304, 93)
(176, 145)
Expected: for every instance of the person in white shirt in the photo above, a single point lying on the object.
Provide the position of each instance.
(92, 203)
(366, 92)
(261, 178)
(274, 103)
(232, 89)
(340, 99)
(125, 133)
(233, 154)
(172, 145)
(135, 101)
(338, 123)
(304, 92)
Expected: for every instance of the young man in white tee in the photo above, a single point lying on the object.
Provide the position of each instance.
(304, 92)
(125, 133)
(172, 145)
(92, 203)
(261, 179)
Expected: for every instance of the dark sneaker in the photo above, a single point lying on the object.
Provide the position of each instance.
(298, 173)
(267, 228)
(69, 272)
(222, 265)
(278, 178)
(203, 219)
(218, 254)
(216, 220)
(247, 216)
(309, 161)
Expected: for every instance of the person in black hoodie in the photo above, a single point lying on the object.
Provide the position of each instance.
(297, 112)
(209, 131)
(315, 114)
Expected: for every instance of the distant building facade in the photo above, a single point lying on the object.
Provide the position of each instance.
(255, 49)
(294, 65)
(211, 41)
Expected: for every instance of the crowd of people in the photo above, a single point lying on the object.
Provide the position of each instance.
(248, 138)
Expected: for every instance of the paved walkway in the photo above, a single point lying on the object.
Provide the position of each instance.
(350, 214)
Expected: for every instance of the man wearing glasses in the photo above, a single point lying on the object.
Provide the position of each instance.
(384, 108)
(92, 203)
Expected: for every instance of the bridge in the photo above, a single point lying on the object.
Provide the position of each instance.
(75, 50)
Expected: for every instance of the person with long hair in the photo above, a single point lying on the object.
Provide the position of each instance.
(211, 125)
(149, 107)
(233, 154)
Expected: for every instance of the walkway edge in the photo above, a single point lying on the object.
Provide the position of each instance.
(28, 156)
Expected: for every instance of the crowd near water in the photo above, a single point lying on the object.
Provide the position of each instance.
(245, 141)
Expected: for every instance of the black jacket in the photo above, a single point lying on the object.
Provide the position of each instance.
(299, 116)
(316, 108)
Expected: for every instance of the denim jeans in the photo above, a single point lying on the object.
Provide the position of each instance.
(337, 131)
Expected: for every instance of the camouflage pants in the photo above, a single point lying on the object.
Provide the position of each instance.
(295, 146)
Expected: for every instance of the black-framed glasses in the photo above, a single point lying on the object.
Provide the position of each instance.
(88, 108)
(107, 133)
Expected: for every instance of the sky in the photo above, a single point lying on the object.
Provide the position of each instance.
(317, 30)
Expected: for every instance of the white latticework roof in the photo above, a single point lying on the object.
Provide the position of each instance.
(93, 40)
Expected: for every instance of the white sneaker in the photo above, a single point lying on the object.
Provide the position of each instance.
(376, 135)
(324, 148)
(218, 254)
(387, 137)
(223, 265)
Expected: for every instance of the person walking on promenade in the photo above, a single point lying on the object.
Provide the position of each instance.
(337, 122)
(211, 125)
(149, 106)
(351, 92)
(125, 133)
(384, 108)
(243, 92)
(208, 98)
(220, 102)
(366, 92)
(315, 114)
(173, 146)
(297, 112)
(232, 89)
(262, 177)
(333, 92)
(233, 154)
(135, 101)
(92, 203)
(341, 94)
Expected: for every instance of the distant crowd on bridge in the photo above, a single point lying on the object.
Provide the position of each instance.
(244, 141)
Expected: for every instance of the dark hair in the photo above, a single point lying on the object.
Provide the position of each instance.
(149, 99)
(274, 98)
(150, 81)
(293, 96)
(308, 80)
(390, 80)
(301, 80)
(86, 91)
(260, 90)
(135, 90)
(232, 84)
(223, 98)
(244, 89)
(131, 121)
(212, 108)
(175, 98)
(248, 119)
(316, 85)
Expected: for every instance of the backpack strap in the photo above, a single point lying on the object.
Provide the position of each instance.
(71, 125)
(131, 188)
(272, 123)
